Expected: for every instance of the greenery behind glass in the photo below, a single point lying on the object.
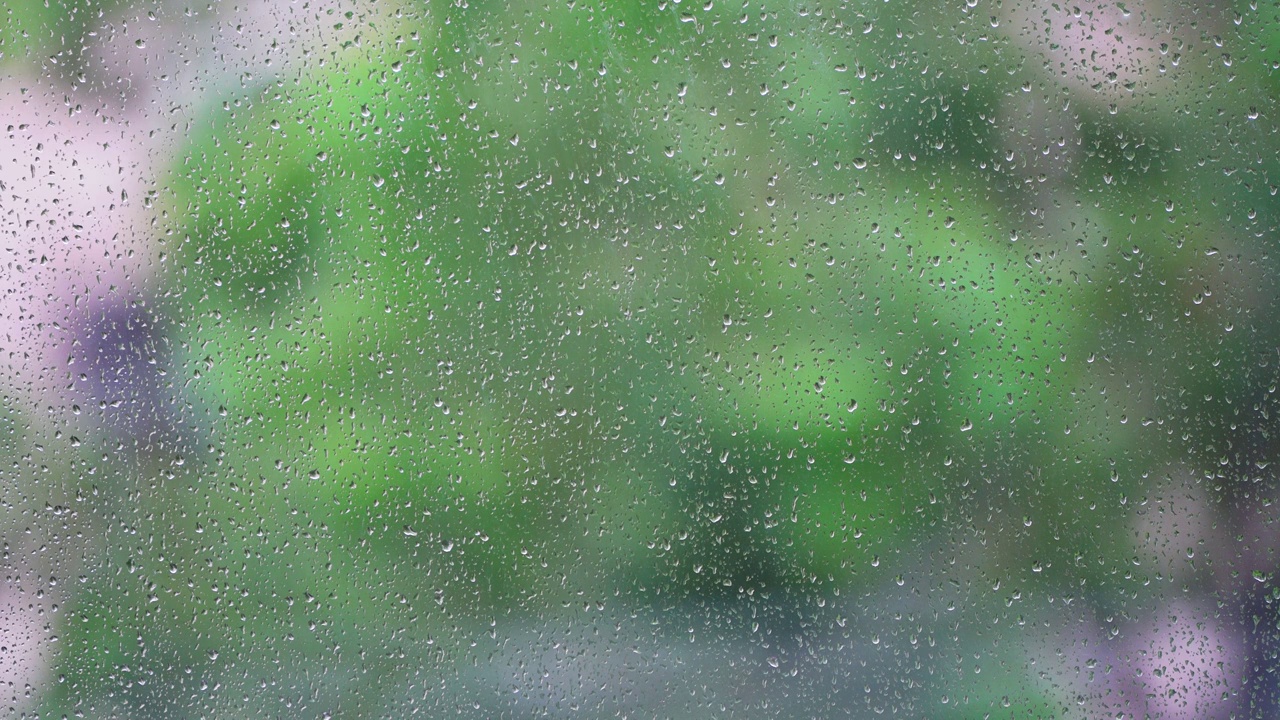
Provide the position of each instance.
(679, 360)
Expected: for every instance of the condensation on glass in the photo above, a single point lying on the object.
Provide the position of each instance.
(667, 359)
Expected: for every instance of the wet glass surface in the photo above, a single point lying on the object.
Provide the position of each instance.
(663, 359)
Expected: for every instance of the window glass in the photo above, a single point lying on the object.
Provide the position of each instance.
(663, 359)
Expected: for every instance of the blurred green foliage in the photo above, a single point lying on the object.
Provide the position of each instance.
(510, 310)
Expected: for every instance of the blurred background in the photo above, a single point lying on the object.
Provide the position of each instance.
(639, 359)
